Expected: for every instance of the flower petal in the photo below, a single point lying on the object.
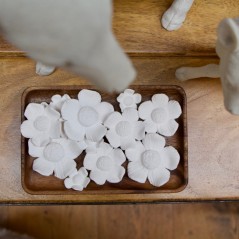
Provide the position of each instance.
(64, 168)
(174, 109)
(139, 130)
(28, 130)
(70, 110)
(154, 142)
(160, 100)
(55, 130)
(72, 148)
(129, 91)
(58, 101)
(68, 183)
(43, 166)
(104, 109)
(113, 119)
(89, 98)
(116, 175)
(137, 98)
(118, 156)
(74, 131)
(96, 132)
(83, 171)
(92, 147)
(137, 172)
(127, 142)
(33, 150)
(84, 183)
(99, 177)
(51, 113)
(134, 154)
(113, 138)
(34, 110)
(90, 161)
(41, 139)
(120, 97)
(104, 149)
(159, 176)
(145, 110)
(169, 128)
(170, 158)
(150, 126)
(130, 114)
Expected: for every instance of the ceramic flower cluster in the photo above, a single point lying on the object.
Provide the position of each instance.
(60, 131)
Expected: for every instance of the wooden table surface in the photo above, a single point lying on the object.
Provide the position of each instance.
(213, 132)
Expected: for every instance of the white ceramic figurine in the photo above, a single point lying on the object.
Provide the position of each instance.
(227, 49)
(174, 17)
(76, 35)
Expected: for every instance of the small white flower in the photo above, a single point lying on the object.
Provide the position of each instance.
(105, 164)
(160, 114)
(57, 156)
(124, 128)
(152, 160)
(84, 117)
(77, 180)
(57, 101)
(42, 123)
(129, 99)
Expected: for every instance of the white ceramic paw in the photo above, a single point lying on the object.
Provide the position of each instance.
(44, 70)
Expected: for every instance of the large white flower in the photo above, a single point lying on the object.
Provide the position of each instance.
(129, 99)
(105, 164)
(57, 156)
(152, 160)
(57, 101)
(160, 114)
(84, 117)
(77, 180)
(124, 129)
(42, 124)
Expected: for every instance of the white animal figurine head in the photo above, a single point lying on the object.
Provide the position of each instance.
(228, 50)
(75, 35)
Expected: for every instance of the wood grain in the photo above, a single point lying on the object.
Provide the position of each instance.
(34, 183)
(138, 28)
(168, 221)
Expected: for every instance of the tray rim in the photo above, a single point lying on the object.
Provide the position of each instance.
(92, 87)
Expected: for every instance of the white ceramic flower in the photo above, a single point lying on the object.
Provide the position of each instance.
(77, 180)
(105, 164)
(124, 129)
(129, 99)
(160, 114)
(84, 117)
(152, 160)
(42, 123)
(57, 156)
(57, 101)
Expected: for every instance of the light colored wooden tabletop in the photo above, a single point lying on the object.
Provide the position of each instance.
(213, 133)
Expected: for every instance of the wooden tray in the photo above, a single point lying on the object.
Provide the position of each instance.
(35, 183)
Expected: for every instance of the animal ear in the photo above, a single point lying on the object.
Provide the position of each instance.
(228, 34)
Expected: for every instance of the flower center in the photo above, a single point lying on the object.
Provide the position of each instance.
(151, 159)
(104, 163)
(159, 115)
(88, 116)
(123, 128)
(42, 123)
(128, 101)
(54, 152)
